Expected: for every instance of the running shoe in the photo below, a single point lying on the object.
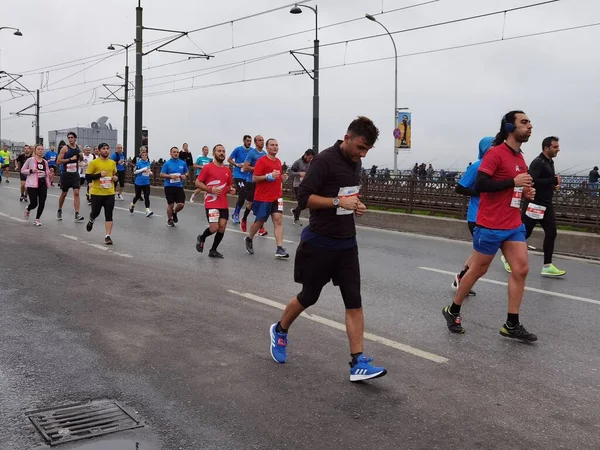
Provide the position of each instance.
(278, 345)
(131, 208)
(364, 370)
(59, 215)
(37, 222)
(214, 254)
(517, 332)
(280, 253)
(120, 198)
(89, 203)
(244, 225)
(200, 243)
(21, 199)
(262, 231)
(456, 284)
(108, 240)
(170, 223)
(26, 214)
(79, 218)
(506, 264)
(236, 218)
(175, 219)
(454, 321)
(249, 246)
(25, 198)
(7, 181)
(192, 198)
(297, 223)
(149, 213)
(89, 225)
(552, 271)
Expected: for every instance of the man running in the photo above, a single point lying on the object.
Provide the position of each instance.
(502, 180)
(253, 155)
(268, 198)
(20, 161)
(119, 158)
(298, 172)
(5, 162)
(174, 171)
(328, 250)
(215, 179)
(51, 156)
(69, 156)
(83, 165)
(102, 173)
(240, 178)
(201, 161)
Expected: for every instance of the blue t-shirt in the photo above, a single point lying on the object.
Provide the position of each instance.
(174, 166)
(201, 161)
(51, 156)
(116, 158)
(468, 181)
(251, 158)
(239, 156)
(142, 179)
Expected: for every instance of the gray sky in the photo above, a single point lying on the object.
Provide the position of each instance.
(456, 96)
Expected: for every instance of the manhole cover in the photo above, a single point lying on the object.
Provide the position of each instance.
(82, 420)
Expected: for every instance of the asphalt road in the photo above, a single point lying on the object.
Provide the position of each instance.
(183, 340)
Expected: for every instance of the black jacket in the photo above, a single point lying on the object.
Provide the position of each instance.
(541, 170)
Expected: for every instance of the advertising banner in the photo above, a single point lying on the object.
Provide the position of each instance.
(402, 133)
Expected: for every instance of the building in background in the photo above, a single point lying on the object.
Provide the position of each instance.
(15, 148)
(99, 131)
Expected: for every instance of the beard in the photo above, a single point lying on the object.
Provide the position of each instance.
(220, 159)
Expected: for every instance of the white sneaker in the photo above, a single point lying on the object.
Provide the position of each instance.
(149, 213)
(192, 198)
(120, 197)
(37, 222)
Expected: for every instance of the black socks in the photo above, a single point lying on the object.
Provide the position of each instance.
(279, 329)
(512, 320)
(246, 213)
(454, 308)
(355, 357)
(206, 233)
(218, 239)
(462, 272)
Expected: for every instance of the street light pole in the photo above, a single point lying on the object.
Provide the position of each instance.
(16, 33)
(372, 18)
(139, 79)
(126, 99)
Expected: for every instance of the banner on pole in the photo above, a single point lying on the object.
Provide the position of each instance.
(402, 132)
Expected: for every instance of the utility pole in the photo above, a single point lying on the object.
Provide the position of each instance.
(126, 99)
(139, 79)
(37, 117)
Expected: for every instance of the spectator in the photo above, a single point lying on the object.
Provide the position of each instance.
(373, 171)
(430, 172)
(415, 170)
(186, 156)
(284, 167)
(593, 180)
(422, 171)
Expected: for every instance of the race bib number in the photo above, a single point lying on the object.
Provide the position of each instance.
(280, 204)
(72, 167)
(345, 192)
(175, 180)
(535, 211)
(106, 182)
(146, 174)
(213, 215)
(52, 158)
(515, 202)
(41, 174)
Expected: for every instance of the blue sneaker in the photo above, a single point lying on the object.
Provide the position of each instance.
(278, 345)
(363, 370)
(236, 218)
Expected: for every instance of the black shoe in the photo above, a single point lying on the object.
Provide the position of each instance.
(170, 223)
(79, 218)
(59, 214)
(89, 225)
(214, 254)
(454, 321)
(200, 243)
(517, 332)
(249, 246)
(175, 219)
(108, 240)
(131, 208)
(25, 198)
(21, 199)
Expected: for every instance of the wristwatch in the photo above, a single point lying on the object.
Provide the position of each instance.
(336, 202)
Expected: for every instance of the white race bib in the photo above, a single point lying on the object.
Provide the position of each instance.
(515, 202)
(535, 211)
(213, 215)
(175, 180)
(72, 167)
(41, 174)
(280, 204)
(344, 192)
(106, 182)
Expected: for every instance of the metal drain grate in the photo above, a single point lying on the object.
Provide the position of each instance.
(82, 420)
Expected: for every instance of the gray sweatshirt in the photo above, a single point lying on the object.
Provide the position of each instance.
(298, 166)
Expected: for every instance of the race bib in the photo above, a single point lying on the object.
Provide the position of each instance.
(146, 174)
(535, 211)
(72, 167)
(515, 202)
(41, 174)
(106, 182)
(344, 192)
(175, 180)
(280, 204)
(52, 158)
(213, 215)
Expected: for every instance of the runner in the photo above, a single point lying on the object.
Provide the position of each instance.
(298, 172)
(96, 153)
(37, 171)
(186, 156)
(69, 156)
(200, 162)
(215, 179)
(1, 164)
(174, 171)
(83, 164)
(142, 182)
(102, 173)
(51, 156)
(502, 180)
(5, 162)
(268, 199)
(328, 249)
(240, 178)
(251, 157)
(20, 161)
(119, 158)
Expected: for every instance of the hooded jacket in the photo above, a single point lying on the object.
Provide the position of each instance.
(30, 170)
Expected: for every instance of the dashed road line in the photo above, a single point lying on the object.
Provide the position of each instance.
(97, 246)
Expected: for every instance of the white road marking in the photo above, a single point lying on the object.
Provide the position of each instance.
(266, 237)
(17, 219)
(97, 246)
(341, 327)
(527, 288)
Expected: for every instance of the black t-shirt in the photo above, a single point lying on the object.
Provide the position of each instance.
(331, 175)
(594, 176)
(187, 157)
(21, 159)
(542, 171)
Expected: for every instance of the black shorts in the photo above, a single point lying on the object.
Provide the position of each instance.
(22, 177)
(174, 194)
(69, 181)
(314, 267)
(121, 179)
(102, 201)
(472, 226)
(250, 191)
(239, 184)
(223, 214)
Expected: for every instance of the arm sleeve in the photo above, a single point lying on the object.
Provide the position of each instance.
(313, 181)
(462, 190)
(485, 183)
(535, 170)
(89, 173)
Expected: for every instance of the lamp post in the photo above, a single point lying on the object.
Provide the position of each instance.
(126, 86)
(315, 138)
(16, 33)
(373, 19)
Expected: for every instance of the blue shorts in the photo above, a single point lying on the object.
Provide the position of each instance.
(262, 210)
(488, 241)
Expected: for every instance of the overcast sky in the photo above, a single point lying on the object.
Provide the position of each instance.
(456, 96)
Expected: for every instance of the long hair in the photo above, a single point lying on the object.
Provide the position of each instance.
(503, 133)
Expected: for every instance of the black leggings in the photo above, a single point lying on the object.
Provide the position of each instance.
(138, 194)
(548, 223)
(37, 197)
(297, 209)
(100, 201)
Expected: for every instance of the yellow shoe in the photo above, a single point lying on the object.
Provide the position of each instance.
(506, 264)
(552, 271)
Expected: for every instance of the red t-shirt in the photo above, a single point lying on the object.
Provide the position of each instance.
(267, 191)
(495, 210)
(212, 175)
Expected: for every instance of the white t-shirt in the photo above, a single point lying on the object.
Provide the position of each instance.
(84, 164)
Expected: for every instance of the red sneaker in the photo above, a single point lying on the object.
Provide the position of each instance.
(262, 232)
(243, 225)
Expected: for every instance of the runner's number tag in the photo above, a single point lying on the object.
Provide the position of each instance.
(535, 211)
(344, 192)
(213, 215)
(280, 204)
(72, 167)
(106, 182)
(175, 180)
(515, 202)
